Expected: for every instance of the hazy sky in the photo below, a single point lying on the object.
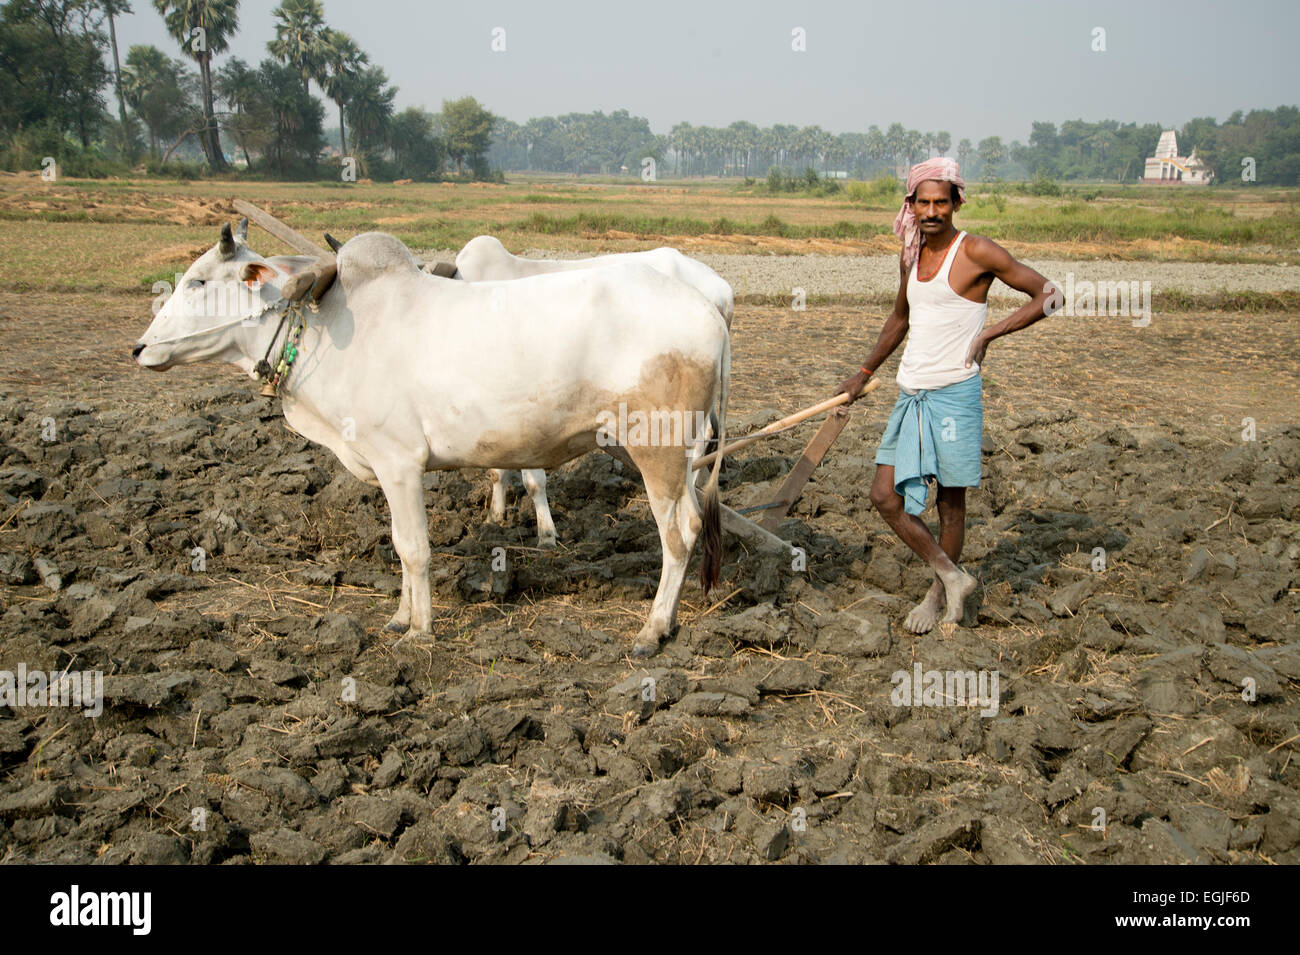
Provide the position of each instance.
(974, 69)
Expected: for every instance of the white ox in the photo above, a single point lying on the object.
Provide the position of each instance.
(485, 259)
(401, 372)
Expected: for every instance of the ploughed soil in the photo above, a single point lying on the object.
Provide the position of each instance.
(1135, 538)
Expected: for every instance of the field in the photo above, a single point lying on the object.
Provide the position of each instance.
(1137, 539)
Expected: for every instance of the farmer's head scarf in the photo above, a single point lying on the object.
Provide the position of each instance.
(905, 226)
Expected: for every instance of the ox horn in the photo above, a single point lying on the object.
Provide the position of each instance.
(241, 230)
(227, 245)
(446, 270)
(332, 242)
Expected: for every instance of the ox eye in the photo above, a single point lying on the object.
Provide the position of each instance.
(194, 283)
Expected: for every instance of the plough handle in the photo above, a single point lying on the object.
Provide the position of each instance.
(784, 423)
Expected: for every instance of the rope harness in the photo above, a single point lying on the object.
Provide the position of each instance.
(271, 376)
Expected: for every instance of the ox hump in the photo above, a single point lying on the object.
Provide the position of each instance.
(374, 255)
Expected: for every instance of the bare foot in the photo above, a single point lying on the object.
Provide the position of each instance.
(958, 585)
(925, 614)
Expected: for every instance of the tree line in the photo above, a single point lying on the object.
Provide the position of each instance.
(1076, 150)
(1268, 139)
(60, 66)
(65, 91)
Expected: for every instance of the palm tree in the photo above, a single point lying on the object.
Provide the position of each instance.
(991, 153)
(876, 148)
(801, 145)
(895, 143)
(341, 58)
(729, 142)
(1103, 141)
(783, 135)
(677, 138)
(825, 146)
(964, 149)
(203, 28)
(369, 106)
(146, 82)
(692, 137)
(538, 132)
(914, 145)
(942, 142)
(715, 146)
(113, 9)
(745, 138)
(299, 37)
(240, 88)
(767, 145)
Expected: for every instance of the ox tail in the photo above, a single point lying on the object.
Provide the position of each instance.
(711, 445)
(711, 561)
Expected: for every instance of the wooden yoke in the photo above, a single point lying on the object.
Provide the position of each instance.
(316, 280)
(295, 240)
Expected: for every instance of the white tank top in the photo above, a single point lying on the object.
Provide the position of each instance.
(941, 327)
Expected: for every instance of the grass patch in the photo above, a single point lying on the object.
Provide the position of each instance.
(585, 222)
(1244, 300)
(881, 192)
(538, 198)
(1074, 221)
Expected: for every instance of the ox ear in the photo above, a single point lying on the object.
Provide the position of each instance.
(256, 273)
(241, 231)
(226, 247)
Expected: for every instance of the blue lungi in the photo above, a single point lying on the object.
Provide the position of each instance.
(934, 434)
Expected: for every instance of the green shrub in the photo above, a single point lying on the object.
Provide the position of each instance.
(1043, 186)
(885, 189)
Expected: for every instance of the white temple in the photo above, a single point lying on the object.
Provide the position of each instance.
(1167, 167)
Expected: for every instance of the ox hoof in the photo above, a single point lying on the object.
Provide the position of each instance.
(546, 543)
(413, 638)
(647, 644)
(397, 626)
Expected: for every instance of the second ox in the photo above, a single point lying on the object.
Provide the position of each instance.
(485, 259)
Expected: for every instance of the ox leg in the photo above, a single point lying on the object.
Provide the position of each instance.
(672, 499)
(535, 482)
(498, 513)
(405, 492)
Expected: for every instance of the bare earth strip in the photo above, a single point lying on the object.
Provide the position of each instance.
(877, 274)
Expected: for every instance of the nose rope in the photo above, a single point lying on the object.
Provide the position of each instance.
(247, 319)
(273, 376)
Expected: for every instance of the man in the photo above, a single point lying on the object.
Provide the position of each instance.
(936, 427)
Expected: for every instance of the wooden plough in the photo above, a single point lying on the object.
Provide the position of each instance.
(735, 522)
(760, 533)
